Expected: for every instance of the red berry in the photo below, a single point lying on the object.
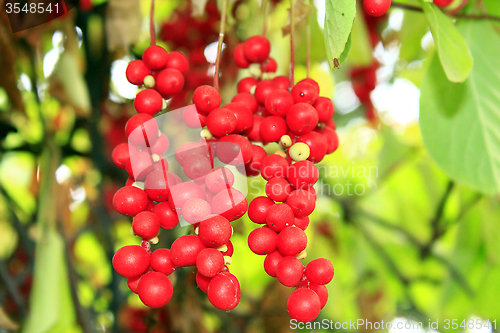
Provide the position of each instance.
(182, 192)
(206, 98)
(332, 140)
(283, 82)
(325, 109)
(178, 61)
(136, 72)
(263, 90)
(279, 102)
(302, 174)
(141, 130)
(148, 101)
(192, 118)
(272, 129)
(121, 154)
(313, 83)
(140, 165)
(289, 271)
(245, 85)
(185, 249)
(169, 82)
(215, 231)
(130, 200)
(196, 210)
(320, 271)
(303, 305)
(258, 208)
(202, 282)
(273, 166)
(219, 179)
(197, 166)
(188, 149)
(155, 289)
(161, 261)
(262, 241)
(291, 241)
(253, 167)
(234, 149)
(322, 293)
(133, 283)
(239, 57)
(279, 216)
(221, 121)
(230, 203)
(146, 225)
(278, 189)
(247, 99)
(161, 145)
(243, 114)
(209, 262)
(131, 260)
(223, 292)
(271, 263)
(302, 222)
(302, 203)
(230, 249)
(331, 124)
(253, 133)
(269, 66)
(256, 49)
(302, 118)
(155, 57)
(168, 217)
(376, 7)
(317, 145)
(442, 3)
(156, 186)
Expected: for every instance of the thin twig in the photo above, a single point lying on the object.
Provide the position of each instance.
(219, 44)
(292, 53)
(308, 46)
(152, 31)
(455, 274)
(462, 16)
(265, 7)
(12, 288)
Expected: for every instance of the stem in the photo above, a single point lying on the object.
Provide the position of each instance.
(463, 16)
(219, 44)
(152, 23)
(292, 55)
(265, 6)
(308, 47)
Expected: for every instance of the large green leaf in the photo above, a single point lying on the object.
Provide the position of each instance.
(338, 25)
(460, 123)
(452, 49)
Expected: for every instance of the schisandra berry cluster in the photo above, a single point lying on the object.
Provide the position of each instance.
(380, 7)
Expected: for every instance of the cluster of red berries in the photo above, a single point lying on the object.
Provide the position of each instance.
(380, 7)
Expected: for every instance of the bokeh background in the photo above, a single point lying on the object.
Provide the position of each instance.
(408, 243)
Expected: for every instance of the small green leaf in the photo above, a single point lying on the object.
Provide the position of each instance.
(452, 49)
(339, 19)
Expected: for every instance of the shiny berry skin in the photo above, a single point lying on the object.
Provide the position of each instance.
(189, 148)
(219, 179)
(161, 261)
(253, 133)
(278, 189)
(325, 109)
(302, 222)
(178, 61)
(161, 145)
(279, 217)
(146, 225)
(148, 101)
(245, 85)
(130, 200)
(209, 262)
(136, 72)
(141, 130)
(442, 3)
(269, 66)
(192, 118)
(185, 249)
(130, 261)
(258, 208)
(121, 154)
(206, 98)
(262, 241)
(156, 186)
(140, 165)
(304, 93)
(332, 139)
(320, 271)
(376, 7)
(321, 291)
(239, 57)
(303, 305)
(243, 114)
(215, 231)
(247, 99)
(302, 174)
(289, 271)
(155, 57)
(302, 203)
(302, 118)
(263, 90)
(133, 283)
(271, 263)
(317, 145)
(283, 82)
(155, 289)
(234, 149)
(291, 241)
(313, 83)
(197, 166)
(256, 49)
(253, 167)
(168, 217)
(202, 282)
(223, 292)
(230, 203)
(196, 210)
(273, 166)
(169, 82)
(221, 121)
(272, 129)
(182, 192)
(279, 102)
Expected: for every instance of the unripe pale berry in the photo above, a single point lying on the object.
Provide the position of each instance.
(299, 151)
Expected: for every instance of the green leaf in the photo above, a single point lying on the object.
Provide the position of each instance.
(361, 50)
(452, 49)
(338, 25)
(460, 123)
(493, 7)
(51, 308)
(412, 31)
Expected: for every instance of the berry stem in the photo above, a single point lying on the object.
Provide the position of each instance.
(152, 23)
(219, 44)
(292, 54)
(308, 46)
(265, 7)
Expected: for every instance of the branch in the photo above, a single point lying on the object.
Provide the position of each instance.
(462, 16)
(455, 274)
